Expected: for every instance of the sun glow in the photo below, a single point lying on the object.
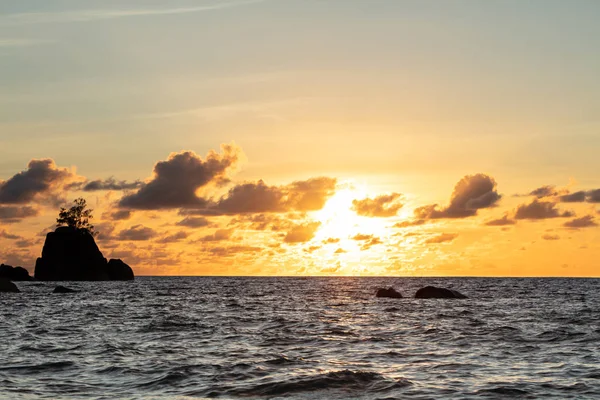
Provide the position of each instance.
(339, 221)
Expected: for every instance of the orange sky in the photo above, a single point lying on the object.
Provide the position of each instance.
(285, 137)
(192, 216)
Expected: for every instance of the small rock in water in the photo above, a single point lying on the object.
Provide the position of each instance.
(432, 292)
(389, 292)
(7, 286)
(62, 289)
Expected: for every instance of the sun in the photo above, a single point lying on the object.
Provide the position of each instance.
(339, 220)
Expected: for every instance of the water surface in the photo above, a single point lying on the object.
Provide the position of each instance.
(305, 338)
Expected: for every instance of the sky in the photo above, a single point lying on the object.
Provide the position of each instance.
(306, 137)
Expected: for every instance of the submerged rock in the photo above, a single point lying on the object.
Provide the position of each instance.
(14, 273)
(389, 292)
(62, 289)
(71, 254)
(119, 271)
(7, 286)
(432, 292)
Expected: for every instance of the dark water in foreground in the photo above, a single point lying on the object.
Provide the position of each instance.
(313, 338)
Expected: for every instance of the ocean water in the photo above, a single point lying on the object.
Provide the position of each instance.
(301, 338)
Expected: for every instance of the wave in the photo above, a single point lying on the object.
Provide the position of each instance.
(347, 380)
(37, 368)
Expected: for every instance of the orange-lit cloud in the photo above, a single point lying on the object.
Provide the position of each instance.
(471, 193)
(380, 206)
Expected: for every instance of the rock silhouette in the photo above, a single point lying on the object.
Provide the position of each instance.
(7, 286)
(14, 273)
(62, 289)
(119, 271)
(71, 254)
(432, 292)
(389, 292)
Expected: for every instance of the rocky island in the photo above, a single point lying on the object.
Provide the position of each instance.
(71, 254)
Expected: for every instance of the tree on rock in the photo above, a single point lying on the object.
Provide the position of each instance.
(78, 217)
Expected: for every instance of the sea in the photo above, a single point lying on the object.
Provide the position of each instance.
(301, 338)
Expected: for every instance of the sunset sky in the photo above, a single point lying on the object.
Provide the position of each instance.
(306, 137)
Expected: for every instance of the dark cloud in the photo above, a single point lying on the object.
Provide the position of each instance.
(442, 238)
(546, 191)
(576, 197)
(550, 237)
(380, 206)
(564, 196)
(302, 233)
(505, 220)
(309, 195)
(137, 232)
(105, 184)
(13, 214)
(119, 215)
(25, 243)
(194, 222)
(540, 210)
(406, 224)
(105, 231)
(218, 235)
(176, 180)
(40, 180)
(175, 237)
(593, 196)
(583, 222)
(7, 235)
(471, 193)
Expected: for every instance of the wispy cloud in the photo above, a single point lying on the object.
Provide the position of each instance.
(103, 14)
(8, 43)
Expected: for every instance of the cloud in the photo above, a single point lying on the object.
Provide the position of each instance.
(583, 222)
(564, 195)
(218, 235)
(302, 233)
(175, 237)
(233, 250)
(442, 238)
(471, 193)
(331, 240)
(194, 222)
(106, 184)
(540, 210)
(576, 197)
(6, 235)
(308, 195)
(362, 236)
(548, 236)
(380, 206)
(13, 214)
(104, 14)
(593, 196)
(339, 251)
(406, 224)
(176, 180)
(39, 181)
(119, 215)
(505, 220)
(547, 191)
(137, 232)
